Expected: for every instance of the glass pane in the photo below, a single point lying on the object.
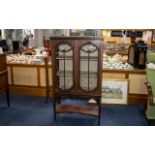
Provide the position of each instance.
(65, 66)
(88, 67)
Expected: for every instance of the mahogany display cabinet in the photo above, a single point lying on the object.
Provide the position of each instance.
(77, 73)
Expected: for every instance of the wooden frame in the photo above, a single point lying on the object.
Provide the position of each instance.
(134, 97)
(115, 91)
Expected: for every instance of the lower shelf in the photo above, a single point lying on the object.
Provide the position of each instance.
(84, 109)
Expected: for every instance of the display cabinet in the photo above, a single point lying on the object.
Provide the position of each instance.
(4, 77)
(77, 73)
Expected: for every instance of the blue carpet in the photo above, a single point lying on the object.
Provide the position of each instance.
(31, 111)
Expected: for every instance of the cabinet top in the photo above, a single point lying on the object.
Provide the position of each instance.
(76, 38)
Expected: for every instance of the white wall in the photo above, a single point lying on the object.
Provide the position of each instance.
(39, 36)
(3, 33)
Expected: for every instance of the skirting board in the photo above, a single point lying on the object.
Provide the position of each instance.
(34, 91)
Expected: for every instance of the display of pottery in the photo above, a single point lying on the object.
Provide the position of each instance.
(115, 47)
(20, 59)
(37, 58)
(116, 61)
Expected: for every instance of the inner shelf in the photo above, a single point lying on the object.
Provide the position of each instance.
(83, 73)
(83, 58)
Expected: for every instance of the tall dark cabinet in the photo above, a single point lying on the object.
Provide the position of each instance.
(4, 77)
(77, 73)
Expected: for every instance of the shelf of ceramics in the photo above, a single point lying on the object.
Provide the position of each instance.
(116, 61)
(112, 52)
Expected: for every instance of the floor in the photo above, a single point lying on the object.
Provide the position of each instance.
(32, 111)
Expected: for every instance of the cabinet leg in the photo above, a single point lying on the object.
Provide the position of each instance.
(99, 110)
(8, 97)
(54, 110)
(59, 100)
(47, 96)
(99, 114)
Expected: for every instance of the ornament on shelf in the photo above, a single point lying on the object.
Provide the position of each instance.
(124, 39)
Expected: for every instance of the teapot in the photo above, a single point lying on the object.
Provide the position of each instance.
(38, 51)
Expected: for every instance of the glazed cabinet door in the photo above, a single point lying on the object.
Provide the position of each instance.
(64, 66)
(89, 57)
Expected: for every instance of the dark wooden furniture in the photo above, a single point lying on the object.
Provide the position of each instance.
(77, 73)
(4, 77)
(137, 54)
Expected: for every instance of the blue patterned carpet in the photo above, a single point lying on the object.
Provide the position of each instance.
(31, 111)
